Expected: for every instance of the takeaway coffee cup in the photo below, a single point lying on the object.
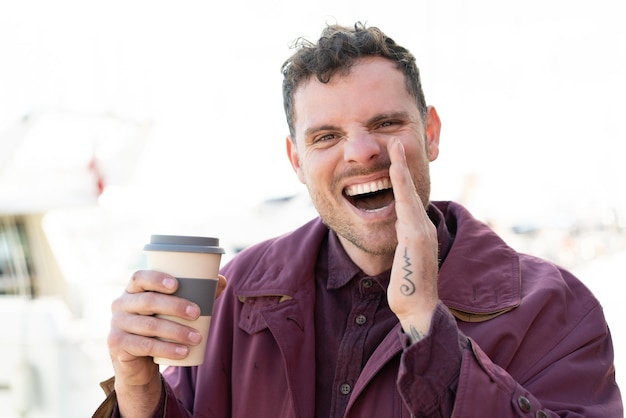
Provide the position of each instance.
(195, 262)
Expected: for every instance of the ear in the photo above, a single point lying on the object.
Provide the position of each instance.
(433, 129)
(294, 158)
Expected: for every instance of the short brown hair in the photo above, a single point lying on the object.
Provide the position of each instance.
(335, 52)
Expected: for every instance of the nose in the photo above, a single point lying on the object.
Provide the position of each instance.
(362, 148)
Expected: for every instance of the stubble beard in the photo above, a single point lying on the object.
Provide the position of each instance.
(379, 240)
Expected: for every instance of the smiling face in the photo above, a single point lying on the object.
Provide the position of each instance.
(340, 153)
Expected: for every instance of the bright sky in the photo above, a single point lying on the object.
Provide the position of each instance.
(531, 94)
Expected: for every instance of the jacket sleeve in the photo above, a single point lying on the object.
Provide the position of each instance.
(449, 375)
(429, 370)
(169, 406)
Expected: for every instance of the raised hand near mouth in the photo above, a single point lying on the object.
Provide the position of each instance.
(412, 291)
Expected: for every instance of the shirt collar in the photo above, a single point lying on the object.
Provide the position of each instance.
(341, 268)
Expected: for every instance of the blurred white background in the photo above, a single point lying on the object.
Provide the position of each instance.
(178, 105)
(530, 94)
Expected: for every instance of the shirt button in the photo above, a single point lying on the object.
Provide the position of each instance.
(524, 403)
(361, 319)
(367, 283)
(345, 389)
(541, 414)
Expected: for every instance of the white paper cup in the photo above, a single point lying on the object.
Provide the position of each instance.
(195, 262)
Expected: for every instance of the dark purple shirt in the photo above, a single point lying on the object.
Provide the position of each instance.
(352, 317)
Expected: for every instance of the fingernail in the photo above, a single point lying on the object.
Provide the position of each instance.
(169, 282)
(192, 311)
(194, 337)
(182, 350)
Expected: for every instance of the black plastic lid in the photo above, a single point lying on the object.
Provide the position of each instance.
(184, 244)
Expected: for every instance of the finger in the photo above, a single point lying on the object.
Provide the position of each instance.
(414, 228)
(221, 284)
(408, 202)
(127, 347)
(154, 303)
(150, 280)
(153, 326)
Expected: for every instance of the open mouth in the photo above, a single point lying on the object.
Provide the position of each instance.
(370, 196)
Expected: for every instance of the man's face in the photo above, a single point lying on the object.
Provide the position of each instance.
(340, 153)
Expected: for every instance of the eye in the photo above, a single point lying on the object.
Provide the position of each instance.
(387, 123)
(324, 138)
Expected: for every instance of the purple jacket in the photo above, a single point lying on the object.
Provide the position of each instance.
(527, 339)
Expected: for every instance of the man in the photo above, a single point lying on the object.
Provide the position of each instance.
(387, 306)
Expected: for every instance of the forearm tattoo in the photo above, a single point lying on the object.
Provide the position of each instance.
(415, 334)
(408, 287)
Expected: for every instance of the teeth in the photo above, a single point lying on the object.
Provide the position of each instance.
(371, 187)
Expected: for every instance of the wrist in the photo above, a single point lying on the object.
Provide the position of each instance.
(417, 327)
(139, 400)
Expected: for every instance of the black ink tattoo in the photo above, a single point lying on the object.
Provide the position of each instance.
(407, 288)
(415, 334)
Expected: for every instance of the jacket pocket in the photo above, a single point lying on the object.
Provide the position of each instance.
(251, 320)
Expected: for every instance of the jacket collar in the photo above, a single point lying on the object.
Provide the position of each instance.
(479, 277)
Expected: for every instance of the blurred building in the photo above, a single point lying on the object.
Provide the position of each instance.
(52, 161)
